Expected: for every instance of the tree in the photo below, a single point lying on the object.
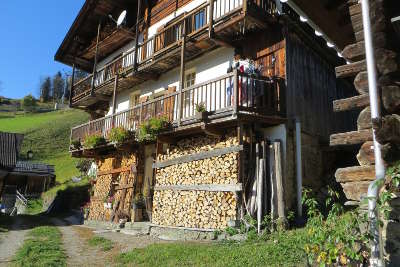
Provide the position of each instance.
(45, 88)
(29, 103)
(58, 86)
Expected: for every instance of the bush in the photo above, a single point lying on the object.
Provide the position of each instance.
(83, 165)
(200, 107)
(119, 135)
(76, 144)
(92, 141)
(29, 103)
(149, 130)
(335, 238)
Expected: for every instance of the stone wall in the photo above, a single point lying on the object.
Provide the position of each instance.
(391, 234)
(197, 209)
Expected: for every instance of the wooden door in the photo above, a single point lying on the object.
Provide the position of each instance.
(273, 60)
(169, 103)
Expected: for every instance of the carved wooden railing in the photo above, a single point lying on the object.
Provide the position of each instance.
(226, 95)
(196, 21)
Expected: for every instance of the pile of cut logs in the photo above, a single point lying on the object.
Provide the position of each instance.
(193, 207)
(118, 185)
(355, 180)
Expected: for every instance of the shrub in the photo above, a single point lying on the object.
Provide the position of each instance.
(92, 141)
(83, 165)
(149, 130)
(76, 144)
(29, 103)
(119, 135)
(335, 238)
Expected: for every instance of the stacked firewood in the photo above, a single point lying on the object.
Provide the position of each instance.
(218, 170)
(107, 187)
(194, 209)
(191, 208)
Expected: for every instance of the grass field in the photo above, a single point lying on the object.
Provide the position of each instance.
(42, 248)
(49, 133)
(279, 249)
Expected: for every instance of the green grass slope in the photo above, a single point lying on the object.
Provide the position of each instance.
(49, 133)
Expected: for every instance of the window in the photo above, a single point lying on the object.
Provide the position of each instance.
(199, 20)
(134, 99)
(190, 78)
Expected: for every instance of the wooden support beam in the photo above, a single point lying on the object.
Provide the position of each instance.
(198, 156)
(72, 85)
(166, 139)
(354, 102)
(212, 130)
(135, 63)
(114, 97)
(182, 72)
(202, 187)
(96, 58)
(351, 138)
(211, 20)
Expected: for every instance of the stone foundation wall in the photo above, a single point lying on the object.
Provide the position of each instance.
(197, 209)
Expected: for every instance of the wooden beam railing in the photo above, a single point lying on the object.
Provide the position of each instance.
(197, 21)
(227, 94)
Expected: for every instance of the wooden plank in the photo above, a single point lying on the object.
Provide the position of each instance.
(354, 102)
(202, 187)
(355, 174)
(198, 156)
(119, 170)
(351, 138)
(350, 69)
(124, 187)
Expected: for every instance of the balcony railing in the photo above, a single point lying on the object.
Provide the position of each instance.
(226, 95)
(195, 21)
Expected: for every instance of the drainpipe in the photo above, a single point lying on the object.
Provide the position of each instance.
(373, 189)
(299, 171)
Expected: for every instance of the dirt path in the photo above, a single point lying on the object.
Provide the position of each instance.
(11, 241)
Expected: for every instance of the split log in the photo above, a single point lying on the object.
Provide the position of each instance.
(391, 98)
(389, 130)
(355, 174)
(355, 190)
(351, 103)
(352, 69)
(386, 61)
(361, 83)
(357, 51)
(351, 138)
(364, 119)
(366, 155)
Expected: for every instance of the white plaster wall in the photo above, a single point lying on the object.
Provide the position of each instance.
(207, 67)
(277, 133)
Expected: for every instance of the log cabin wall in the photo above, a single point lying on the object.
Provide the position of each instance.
(173, 205)
(163, 8)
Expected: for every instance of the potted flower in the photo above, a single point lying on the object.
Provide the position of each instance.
(201, 111)
(93, 141)
(75, 144)
(119, 135)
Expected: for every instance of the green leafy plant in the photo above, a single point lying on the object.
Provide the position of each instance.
(76, 144)
(119, 135)
(231, 231)
(330, 242)
(201, 107)
(104, 243)
(149, 130)
(391, 187)
(92, 141)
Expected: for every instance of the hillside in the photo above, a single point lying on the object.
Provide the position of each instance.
(47, 135)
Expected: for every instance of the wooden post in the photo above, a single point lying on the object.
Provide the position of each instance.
(279, 184)
(182, 78)
(244, 7)
(211, 20)
(240, 171)
(260, 194)
(95, 58)
(72, 85)
(114, 99)
(235, 91)
(137, 35)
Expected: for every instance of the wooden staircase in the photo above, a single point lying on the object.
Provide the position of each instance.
(355, 179)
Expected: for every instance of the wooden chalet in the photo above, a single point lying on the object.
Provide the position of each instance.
(255, 67)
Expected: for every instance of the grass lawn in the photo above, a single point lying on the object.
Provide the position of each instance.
(42, 248)
(104, 243)
(280, 249)
(49, 133)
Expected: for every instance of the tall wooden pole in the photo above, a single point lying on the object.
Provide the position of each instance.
(114, 99)
(137, 34)
(211, 20)
(72, 85)
(182, 78)
(95, 57)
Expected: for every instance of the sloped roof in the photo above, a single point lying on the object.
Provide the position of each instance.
(10, 144)
(33, 169)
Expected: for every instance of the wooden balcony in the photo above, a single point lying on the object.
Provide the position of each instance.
(229, 98)
(162, 52)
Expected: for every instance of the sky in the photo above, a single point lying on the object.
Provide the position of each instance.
(30, 34)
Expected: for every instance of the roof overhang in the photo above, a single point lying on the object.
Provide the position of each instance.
(83, 31)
